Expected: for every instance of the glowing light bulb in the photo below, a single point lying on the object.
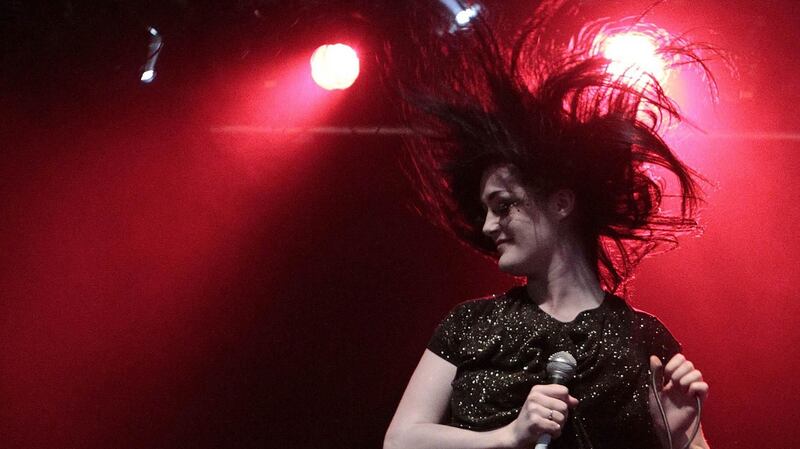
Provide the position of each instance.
(334, 66)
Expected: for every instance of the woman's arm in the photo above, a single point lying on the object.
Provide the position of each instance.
(417, 421)
(679, 391)
(699, 441)
(424, 406)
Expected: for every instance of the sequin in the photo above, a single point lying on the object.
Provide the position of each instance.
(500, 347)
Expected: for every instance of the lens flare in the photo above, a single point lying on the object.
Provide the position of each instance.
(334, 66)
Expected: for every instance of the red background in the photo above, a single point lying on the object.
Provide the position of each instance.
(166, 285)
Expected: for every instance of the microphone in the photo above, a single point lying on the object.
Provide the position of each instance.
(560, 370)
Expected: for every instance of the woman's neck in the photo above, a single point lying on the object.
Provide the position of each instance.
(568, 288)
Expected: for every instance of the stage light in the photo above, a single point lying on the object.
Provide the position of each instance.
(634, 56)
(462, 14)
(465, 15)
(148, 76)
(334, 66)
(153, 50)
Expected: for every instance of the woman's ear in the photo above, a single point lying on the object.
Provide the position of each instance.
(562, 203)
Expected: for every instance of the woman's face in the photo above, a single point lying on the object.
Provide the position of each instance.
(525, 232)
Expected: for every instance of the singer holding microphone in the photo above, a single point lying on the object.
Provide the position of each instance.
(537, 156)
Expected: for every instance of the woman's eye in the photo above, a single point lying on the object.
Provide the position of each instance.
(503, 208)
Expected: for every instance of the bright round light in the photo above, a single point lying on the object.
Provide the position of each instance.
(148, 76)
(334, 66)
(634, 56)
(463, 16)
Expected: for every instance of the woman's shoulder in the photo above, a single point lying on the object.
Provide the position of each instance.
(620, 304)
(651, 332)
(496, 302)
(472, 321)
(645, 318)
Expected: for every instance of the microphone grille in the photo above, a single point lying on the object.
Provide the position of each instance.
(562, 363)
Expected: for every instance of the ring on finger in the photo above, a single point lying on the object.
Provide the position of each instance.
(550, 416)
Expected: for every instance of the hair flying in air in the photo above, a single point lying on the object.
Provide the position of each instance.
(552, 109)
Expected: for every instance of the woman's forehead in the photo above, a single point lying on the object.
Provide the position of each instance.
(500, 178)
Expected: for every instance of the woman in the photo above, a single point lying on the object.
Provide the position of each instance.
(539, 157)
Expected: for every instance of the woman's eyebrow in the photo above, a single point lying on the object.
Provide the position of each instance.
(493, 194)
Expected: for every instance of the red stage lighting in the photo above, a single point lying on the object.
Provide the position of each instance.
(334, 66)
(634, 56)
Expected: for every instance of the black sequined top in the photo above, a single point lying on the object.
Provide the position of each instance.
(500, 347)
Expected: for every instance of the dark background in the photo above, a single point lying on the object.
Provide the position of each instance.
(170, 282)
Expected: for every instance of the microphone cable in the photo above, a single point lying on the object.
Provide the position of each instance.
(664, 414)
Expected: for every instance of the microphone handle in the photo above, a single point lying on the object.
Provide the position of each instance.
(558, 378)
(544, 441)
(545, 438)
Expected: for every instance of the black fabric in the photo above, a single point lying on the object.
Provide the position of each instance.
(500, 347)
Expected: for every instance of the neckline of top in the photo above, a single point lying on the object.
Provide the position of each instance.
(608, 298)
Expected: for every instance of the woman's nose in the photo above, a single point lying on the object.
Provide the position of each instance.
(491, 225)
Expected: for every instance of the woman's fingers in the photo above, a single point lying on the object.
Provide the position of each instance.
(547, 408)
(687, 379)
(658, 370)
(682, 373)
(572, 402)
(678, 367)
(700, 389)
(558, 418)
(550, 403)
(557, 413)
(551, 390)
(541, 420)
(673, 363)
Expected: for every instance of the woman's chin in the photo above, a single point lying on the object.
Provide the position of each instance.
(509, 266)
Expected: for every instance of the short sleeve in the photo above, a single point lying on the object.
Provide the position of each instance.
(445, 340)
(662, 343)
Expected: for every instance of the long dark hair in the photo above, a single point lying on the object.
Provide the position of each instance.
(555, 112)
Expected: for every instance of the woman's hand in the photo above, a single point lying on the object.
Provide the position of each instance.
(679, 383)
(545, 411)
